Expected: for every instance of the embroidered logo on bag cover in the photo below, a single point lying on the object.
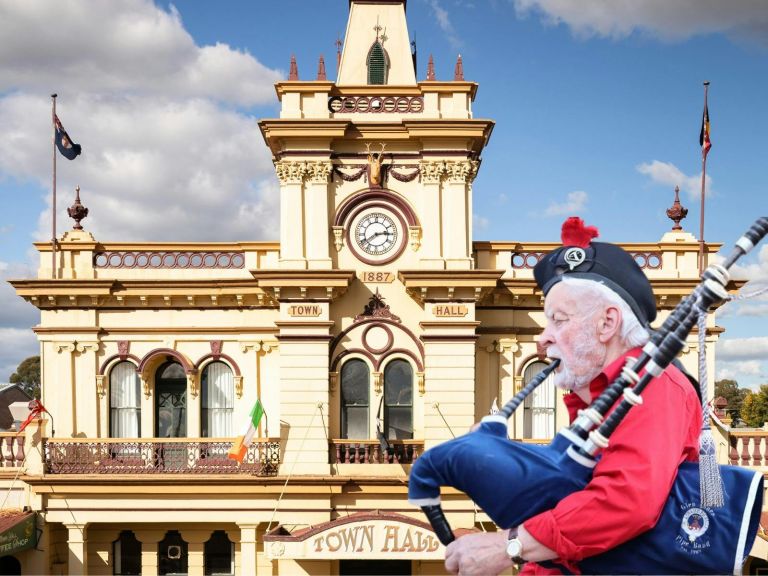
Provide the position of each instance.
(693, 527)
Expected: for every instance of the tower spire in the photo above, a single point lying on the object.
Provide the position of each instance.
(431, 68)
(293, 74)
(458, 73)
(321, 69)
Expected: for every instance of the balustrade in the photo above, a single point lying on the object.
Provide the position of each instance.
(158, 456)
(748, 448)
(11, 449)
(347, 451)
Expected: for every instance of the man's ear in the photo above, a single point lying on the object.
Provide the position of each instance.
(609, 324)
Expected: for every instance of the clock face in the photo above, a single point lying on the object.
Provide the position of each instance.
(376, 233)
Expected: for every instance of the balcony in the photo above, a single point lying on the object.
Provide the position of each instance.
(158, 456)
(349, 451)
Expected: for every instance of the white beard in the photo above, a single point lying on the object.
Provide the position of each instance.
(586, 362)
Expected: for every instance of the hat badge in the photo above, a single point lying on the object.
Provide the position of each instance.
(574, 256)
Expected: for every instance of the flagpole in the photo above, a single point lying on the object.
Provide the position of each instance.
(53, 209)
(703, 179)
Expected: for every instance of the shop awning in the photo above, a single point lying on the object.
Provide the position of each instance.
(18, 532)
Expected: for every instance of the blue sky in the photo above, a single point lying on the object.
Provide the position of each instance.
(597, 108)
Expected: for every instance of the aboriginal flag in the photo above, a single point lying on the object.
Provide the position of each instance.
(64, 143)
(704, 140)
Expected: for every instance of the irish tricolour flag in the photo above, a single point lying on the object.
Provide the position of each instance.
(240, 446)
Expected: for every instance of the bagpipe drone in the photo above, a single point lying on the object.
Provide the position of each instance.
(512, 481)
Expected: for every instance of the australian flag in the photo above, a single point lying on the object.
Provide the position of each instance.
(64, 143)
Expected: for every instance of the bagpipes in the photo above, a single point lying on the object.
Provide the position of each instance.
(512, 481)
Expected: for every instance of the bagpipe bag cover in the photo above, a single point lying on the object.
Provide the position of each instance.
(512, 482)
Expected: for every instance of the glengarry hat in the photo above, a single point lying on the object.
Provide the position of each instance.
(580, 257)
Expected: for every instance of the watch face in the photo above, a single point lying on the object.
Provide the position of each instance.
(376, 233)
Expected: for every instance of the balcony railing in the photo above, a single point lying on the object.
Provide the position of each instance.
(748, 447)
(11, 449)
(348, 451)
(158, 456)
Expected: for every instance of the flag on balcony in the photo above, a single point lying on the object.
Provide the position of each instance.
(241, 443)
(35, 409)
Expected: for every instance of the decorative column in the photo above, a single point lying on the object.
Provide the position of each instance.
(86, 366)
(77, 543)
(457, 214)
(247, 548)
(316, 224)
(149, 540)
(64, 390)
(292, 217)
(195, 540)
(431, 250)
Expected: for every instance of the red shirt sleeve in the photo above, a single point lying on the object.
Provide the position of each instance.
(633, 478)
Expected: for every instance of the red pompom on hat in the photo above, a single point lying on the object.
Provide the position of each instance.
(574, 233)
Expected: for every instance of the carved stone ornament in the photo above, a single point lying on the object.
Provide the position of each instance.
(377, 383)
(239, 386)
(319, 172)
(101, 390)
(420, 383)
(414, 237)
(333, 378)
(431, 171)
(290, 172)
(376, 309)
(216, 349)
(461, 170)
(338, 237)
(192, 384)
(361, 169)
(123, 349)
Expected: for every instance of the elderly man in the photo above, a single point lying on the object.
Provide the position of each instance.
(598, 307)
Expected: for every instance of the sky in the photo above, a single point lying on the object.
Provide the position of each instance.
(597, 107)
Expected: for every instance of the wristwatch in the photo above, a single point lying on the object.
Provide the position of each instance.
(515, 548)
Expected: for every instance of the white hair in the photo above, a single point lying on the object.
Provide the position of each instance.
(632, 332)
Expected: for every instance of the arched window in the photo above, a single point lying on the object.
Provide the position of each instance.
(398, 400)
(124, 401)
(218, 388)
(355, 383)
(539, 406)
(170, 401)
(172, 554)
(219, 553)
(126, 551)
(377, 64)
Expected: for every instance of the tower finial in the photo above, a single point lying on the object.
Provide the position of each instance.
(77, 211)
(338, 53)
(677, 212)
(458, 73)
(321, 69)
(431, 68)
(293, 74)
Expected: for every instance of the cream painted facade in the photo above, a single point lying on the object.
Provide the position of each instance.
(375, 268)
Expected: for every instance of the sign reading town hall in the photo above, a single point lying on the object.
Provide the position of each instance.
(365, 536)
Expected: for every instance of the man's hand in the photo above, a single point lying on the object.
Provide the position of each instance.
(478, 553)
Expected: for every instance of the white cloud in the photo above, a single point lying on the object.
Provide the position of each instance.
(669, 175)
(16, 344)
(444, 21)
(669, 20)
(121, 46)
(480, 222)
(575, 204)
(742, 349)
(165, 155)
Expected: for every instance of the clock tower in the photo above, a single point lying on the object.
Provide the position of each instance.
(376, 168)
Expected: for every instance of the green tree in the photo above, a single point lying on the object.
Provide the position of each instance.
(754, 409)
(729, 389)
(27, 375)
